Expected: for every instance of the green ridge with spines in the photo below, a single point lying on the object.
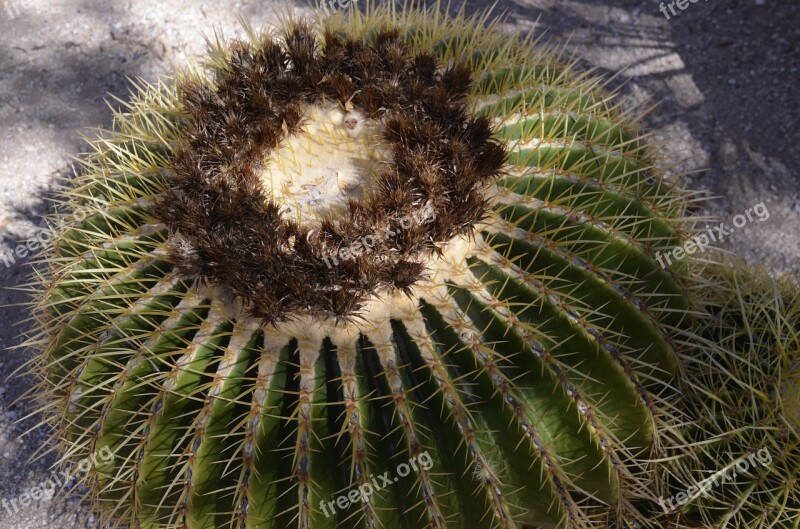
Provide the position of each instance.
(85, 328)
(99, 271)
(175, 411)
(406, 496)
(370, 400)
(323, 461)
(212, 483)
(493, 412)
(543, 397)
(262, 485)
(469, 501)
(366, 413)
(604, 166)
(413, 372)
(284, 451)
(124, 189)
(619, 258)
(239, 462)
(124, 342)
(99, 227)
(637, 335)
(493, 82)
(120, 427)
(381, 413)
(542, 98)
(598, 202)
(336, 445)
(546, 125)
(630, 420)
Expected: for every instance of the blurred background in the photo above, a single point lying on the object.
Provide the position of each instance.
(723, 74)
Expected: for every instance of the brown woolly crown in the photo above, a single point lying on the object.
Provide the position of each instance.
(227, 229)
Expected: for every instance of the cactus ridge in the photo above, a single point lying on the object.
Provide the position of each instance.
(529, 374)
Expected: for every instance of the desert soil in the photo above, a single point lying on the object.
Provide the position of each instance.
(723, 73)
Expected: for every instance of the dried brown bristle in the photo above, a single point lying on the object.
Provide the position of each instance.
(228, 231)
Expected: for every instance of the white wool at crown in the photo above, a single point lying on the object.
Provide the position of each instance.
(334, 158)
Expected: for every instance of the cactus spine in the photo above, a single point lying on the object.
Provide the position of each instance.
(742, 466)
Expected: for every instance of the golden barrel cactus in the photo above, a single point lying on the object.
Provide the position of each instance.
(388, 269)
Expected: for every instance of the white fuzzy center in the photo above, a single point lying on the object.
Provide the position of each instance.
(334, 158)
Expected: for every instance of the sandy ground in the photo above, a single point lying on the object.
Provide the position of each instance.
(723, 73)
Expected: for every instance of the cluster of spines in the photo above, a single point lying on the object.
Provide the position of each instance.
(741, 465)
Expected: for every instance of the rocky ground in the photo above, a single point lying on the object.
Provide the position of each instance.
(724, 74)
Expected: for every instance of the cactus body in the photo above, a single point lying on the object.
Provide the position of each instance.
(511, 351)
(743, 465)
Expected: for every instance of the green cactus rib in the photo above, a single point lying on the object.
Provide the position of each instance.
(536, 380)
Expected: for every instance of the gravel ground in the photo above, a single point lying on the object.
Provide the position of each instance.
(724, 75)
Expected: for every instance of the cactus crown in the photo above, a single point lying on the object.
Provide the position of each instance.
(228, 217)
